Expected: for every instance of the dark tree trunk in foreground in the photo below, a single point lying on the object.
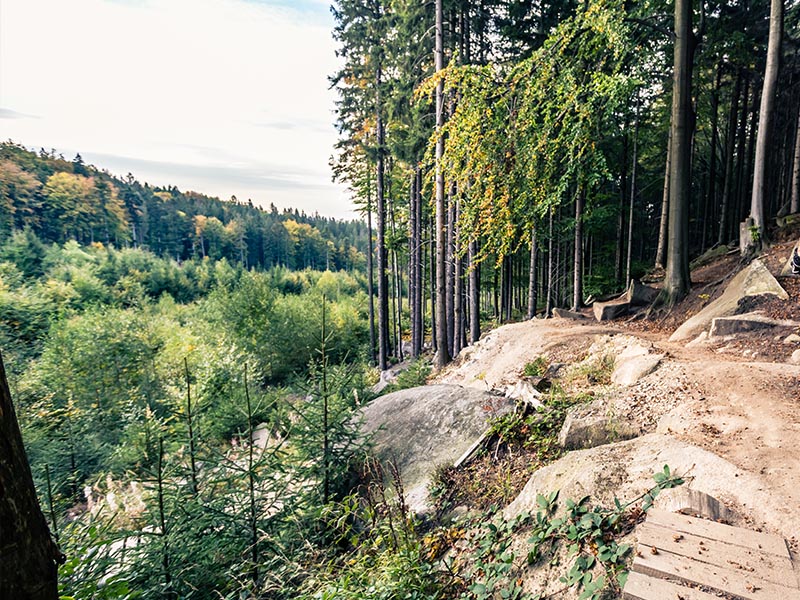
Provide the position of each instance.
(27, 553)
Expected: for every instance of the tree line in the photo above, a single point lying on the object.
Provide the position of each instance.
(61, 200)
(513, 156)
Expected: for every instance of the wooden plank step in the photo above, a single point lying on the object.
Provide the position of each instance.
(736, 536)
(643, 587)
(765, 566)
(737, 583)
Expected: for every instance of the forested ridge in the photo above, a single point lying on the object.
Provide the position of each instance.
(188, 371)
(60, 200)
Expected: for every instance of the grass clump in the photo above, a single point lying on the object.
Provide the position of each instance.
(535, 368)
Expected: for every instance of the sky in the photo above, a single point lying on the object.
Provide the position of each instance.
(223, 97)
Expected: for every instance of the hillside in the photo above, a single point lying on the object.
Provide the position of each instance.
(722, 412)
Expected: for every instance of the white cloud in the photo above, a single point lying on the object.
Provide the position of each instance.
(230, 85)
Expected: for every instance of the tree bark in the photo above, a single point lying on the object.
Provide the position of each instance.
(794, 206)
(443, 352)
(661, 250)
(577, 258)
(28, 555)
(383, 280)
(533, 283)
(676, 281)
(711, 197)
(730, 145)
(370, 279)
(474, 294)
(765, 122)
(633, 194)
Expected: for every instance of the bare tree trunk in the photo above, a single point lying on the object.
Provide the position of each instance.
(28, 555)
(765, 121)
(458, 287)
(722, 237)
(577, 261)
(450, 269)
(550, 284)
(623, 185)
(711, 198)
(474, 294)
(633, 194)
(370, 279)
(676, 281)
(661, 250)
(383, 281)
(533, 282)
(443, 353)
(795, 202)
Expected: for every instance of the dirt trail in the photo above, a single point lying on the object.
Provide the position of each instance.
(745, 412)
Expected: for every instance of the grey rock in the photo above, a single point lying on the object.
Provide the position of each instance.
(737, 324)
(639, 294)
(424, 427)
(633, 369)
(792, 338)
(795, 358)
(591, 425)
(606, 311)
(563, 313)
(751, 281)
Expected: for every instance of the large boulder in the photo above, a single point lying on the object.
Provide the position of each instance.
(424, 427)
(563, 313)
(631, 370)
(608, 311)
(590, 425)
(751, 281)
(639, 294)
(625, 470)
(736, 324)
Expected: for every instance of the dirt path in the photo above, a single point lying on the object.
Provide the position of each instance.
(745, 412)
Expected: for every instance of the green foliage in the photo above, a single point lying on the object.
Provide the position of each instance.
(590, 536)
(415, 375)
(535, 368)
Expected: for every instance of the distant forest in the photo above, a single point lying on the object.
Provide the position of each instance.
(60, 199)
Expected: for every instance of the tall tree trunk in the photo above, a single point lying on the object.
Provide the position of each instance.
(474, 294)
(458, 288)
(383, 280)
(28, 554)
(443, 353)
(730, 146)
(676, 281)
(450, 272)
(577, 259)
(533, 284)
(623, 186)
(794, 206)
(765, 121)
(550, 267)
(711, 198)
(633, 194)
(661, 250)
(370, 280)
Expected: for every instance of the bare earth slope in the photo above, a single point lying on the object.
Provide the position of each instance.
(747, 413)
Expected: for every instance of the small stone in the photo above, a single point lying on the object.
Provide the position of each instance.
(792, 338)
(795, 359)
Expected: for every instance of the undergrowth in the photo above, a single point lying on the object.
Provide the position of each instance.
(479, 557)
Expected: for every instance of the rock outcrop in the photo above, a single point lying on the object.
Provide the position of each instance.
(424, 427)
(751, 281)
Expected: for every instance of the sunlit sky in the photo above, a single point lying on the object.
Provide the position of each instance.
(225, 97)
